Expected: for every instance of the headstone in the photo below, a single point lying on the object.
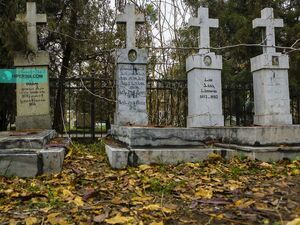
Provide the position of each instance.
(33, 101)
(270, 76)
(131, 108)
(204, 78)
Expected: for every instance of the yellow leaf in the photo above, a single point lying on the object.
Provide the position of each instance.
(52, 218)
(296, 172)
(214, 156)
(144, 167)
(119, 219)
(155, 223)
(67, 193)
(78, 201)
(12, 222)
(31, 220)
(294, 222)
(266, 165)
(167, 210)
(152, 207)
(142, 199)
(244, 203)
(204, 193)
(193, 165)
(233, 187)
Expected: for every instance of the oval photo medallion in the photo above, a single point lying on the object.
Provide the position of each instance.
(132, 55)
(207, 60)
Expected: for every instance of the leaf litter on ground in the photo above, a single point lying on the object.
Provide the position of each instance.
(237, 191)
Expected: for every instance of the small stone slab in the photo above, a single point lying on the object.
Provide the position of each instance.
(251, 136)
(30, 163)
(120, 158)
(267, 153)
(26, 140)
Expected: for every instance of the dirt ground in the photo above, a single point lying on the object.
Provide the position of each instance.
(88, 191)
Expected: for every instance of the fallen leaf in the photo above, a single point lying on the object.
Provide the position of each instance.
(152, 207)
(119, 219)
(157, 223)
(144, 167)
(31, 220)
(142, 199)
(67, 193)
(204, 193)
(294, 222)
(100, 218)
(78, 201)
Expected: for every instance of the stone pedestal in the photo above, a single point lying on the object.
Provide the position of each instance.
(33, 99)
(131, 77)
(204, 90)
(271, 89)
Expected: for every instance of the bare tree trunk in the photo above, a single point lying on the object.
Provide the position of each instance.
(58, 121)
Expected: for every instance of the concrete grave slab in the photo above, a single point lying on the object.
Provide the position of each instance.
(120, 158)
(252, 136)
(30, 140)
(31, 163)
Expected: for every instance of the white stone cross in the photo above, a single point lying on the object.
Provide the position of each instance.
(130, 19)
(267, 20)
(32, 19)
(204, 22)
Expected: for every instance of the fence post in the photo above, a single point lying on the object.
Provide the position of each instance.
(93, 106)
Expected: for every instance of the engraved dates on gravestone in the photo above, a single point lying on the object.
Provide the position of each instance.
(131, 87)
(209, 89)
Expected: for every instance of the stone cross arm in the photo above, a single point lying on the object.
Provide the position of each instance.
(267, 20)
(130, 18)
(204, 23)
(31, 18)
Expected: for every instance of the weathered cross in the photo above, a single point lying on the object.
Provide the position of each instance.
(204, 22)
(267, 20)
(32, 19)
(130, 19)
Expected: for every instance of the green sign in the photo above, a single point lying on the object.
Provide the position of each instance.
(23, 75)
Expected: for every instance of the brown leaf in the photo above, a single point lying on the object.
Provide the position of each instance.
(100, 218)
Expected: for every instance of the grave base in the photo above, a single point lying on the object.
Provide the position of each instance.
(205, 120)
(29, 154)
(146, 145)
(120, 158)
(265, 120)
(33, 122)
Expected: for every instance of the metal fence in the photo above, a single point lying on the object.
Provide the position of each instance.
(90, 104)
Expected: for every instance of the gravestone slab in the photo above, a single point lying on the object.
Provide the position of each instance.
(131, 77)
(270, 77)
(33, 99)
(204, 78)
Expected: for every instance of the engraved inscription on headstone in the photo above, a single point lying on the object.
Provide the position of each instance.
(132, 88)
(33, 98)
(209, 89)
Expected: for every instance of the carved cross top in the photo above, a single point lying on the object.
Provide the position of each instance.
(32, 19)
(267, 20)
(204, 22)
(130, 19)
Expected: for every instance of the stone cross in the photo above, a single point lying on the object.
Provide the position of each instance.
(130, 19)
(267, 20)
(204, 22)
(32, 19)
